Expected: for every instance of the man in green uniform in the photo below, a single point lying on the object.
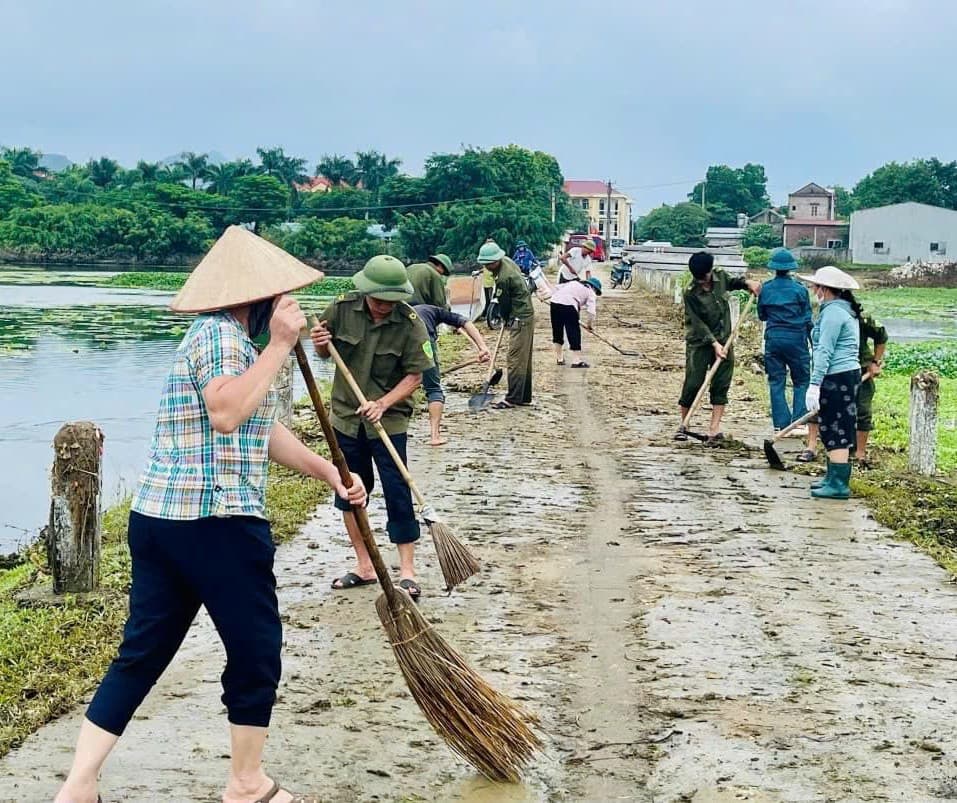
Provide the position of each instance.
(428, 281)
(872, 363)
(386, 347)
(707, 329)
(515, 307)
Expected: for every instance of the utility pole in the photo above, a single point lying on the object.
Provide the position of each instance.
(608, 220)
(704, 187)
(553, 206)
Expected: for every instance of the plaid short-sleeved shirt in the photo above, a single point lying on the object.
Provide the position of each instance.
(193, 471)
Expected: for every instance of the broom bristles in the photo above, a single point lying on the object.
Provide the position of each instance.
(480, 724)
(457, 562)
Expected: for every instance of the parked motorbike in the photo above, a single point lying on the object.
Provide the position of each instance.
(621, 276)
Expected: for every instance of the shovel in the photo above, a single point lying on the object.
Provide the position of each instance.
(774, 460)
(481, 400)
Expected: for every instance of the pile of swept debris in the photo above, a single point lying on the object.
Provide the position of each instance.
(935, 274)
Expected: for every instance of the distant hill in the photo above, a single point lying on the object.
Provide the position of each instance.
(215, 158)
(55, 162)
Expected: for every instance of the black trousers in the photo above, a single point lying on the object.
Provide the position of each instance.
(224, 564)
(566, 320)
(361, 452)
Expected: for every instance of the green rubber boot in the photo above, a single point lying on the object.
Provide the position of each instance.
(820, 482)
(837, 486)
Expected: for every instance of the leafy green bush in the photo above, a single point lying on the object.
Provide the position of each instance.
(760, 235)
(756, 256)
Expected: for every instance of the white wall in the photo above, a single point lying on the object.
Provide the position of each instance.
(906, 230)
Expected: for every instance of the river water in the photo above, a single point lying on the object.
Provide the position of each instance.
(71, 351)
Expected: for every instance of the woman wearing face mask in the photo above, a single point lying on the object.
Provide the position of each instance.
(835, 375)
(198, 534)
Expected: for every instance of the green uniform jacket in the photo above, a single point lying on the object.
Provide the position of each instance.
(379, 355)
(707, 314)
(871, 330)
(427, 286)
(511, 292)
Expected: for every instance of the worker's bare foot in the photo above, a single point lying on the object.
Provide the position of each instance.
(440, 441)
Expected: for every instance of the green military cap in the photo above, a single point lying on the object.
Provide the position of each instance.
(384, 278)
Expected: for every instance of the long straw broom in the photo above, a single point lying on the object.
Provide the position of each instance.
(457, 562)
(482, 725)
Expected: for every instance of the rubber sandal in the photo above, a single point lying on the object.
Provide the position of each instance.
(276, 789)
(415, 591)
(807, 456)
(559, 362)
(347, 581)
(580, 365)
(503, 405)
(681, 435)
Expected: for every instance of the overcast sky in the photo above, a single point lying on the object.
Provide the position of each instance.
(646, 93)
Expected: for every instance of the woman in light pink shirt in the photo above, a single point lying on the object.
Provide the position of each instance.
(567, 302)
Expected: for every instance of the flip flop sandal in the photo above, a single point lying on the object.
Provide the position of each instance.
(807, 456)
(412, 587)
(276, 789)
(559, 362)
(503, 405)
(580, 365)
(680, 435)
(347, 581)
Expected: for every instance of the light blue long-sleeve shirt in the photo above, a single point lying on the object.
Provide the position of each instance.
(837, 340)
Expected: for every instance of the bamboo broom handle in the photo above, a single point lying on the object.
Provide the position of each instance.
(380, 430)
(717, 363)
(460, 365)
(339, 461)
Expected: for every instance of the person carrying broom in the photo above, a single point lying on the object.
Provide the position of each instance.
(387, 349)
(198, 532)
(707, 328)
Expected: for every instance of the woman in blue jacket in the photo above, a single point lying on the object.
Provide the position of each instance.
(835, 375)
(785, 307)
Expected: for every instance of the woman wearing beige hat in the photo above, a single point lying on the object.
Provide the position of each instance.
(835, 375)
(198, 534)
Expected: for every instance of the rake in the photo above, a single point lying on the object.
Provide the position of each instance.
(457, 562)
(479, 723)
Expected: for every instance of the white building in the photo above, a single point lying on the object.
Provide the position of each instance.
(908, 232)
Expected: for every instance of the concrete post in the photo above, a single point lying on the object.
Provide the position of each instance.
(924, 398)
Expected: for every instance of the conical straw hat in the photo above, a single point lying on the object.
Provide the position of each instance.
(239, 269)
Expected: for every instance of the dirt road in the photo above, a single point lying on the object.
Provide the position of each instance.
(687, 624)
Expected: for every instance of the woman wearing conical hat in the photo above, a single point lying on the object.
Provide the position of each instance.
(198, 534)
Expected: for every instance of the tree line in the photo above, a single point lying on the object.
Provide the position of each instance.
(727, 191)
(159, 212)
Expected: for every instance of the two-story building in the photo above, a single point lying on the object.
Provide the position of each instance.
(592, 198)
(812, 220)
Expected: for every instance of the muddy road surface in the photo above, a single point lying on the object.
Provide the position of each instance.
(688, 625)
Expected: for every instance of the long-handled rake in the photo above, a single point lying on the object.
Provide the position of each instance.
(458, 564)
(683, 429)
(480, 724)
(619, 349)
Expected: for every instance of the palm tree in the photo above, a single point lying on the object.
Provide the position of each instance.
(337, 169)
(373, 169)
(222, 177)
(172, 173)
(102, 171)
(290, 170)
(194, 165)
(24, 162)
(149, 172)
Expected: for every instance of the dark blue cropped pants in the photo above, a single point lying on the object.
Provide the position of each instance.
(224, 564)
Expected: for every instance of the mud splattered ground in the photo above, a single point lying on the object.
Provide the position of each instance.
(688, 625)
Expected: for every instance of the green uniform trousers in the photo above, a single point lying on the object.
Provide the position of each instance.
(521, 340)
(865, 406)
(698, 360)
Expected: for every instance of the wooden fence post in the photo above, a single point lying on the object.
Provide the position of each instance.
(73, 533)
(924, 396)
(284, 384)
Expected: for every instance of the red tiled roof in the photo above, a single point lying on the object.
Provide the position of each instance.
(587, 188)
(316, 183)
(815, 221)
